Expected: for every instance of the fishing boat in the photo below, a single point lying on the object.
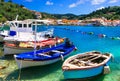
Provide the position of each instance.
(16, 27)
(22, 30)
(44, 56)
(16, 47)
(28, 36)
(85, 65)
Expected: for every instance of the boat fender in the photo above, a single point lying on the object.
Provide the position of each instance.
(62, 57)
(106, 69)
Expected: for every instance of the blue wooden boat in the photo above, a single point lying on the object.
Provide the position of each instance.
(44, 56)
(86, 65)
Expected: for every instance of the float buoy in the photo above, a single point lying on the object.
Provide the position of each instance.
(90, 33)
(101, 35)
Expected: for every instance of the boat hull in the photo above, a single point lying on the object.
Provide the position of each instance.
(11, 50)
(74, 74)
(30, 63)
(84, 73)
(1, 38)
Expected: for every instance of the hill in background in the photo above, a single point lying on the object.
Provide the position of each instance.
(9, 10)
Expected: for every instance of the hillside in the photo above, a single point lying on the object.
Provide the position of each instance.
(9, 10)
(108, 13)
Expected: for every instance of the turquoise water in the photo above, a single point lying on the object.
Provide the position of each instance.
(84, 42)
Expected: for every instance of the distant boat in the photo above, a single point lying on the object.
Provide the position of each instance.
(86, 65)
(44, 56)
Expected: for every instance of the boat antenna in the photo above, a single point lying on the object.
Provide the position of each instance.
(35, 38)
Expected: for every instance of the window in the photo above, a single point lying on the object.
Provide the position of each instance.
(20, 25)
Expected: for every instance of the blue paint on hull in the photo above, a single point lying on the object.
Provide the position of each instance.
(85, 73)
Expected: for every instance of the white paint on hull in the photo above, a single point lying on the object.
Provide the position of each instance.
(10, 50)
(30, 63)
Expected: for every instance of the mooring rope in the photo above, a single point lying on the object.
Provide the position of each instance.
(58, 79)
(19, 76)
(92, 33)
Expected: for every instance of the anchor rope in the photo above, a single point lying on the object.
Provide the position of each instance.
(19, 76)
(62, 57)
(58, 79)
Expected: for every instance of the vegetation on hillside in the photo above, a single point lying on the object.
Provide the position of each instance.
(8, 11)
(108, 13)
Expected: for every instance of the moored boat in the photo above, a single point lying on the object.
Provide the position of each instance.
(86, 65)
(44, 56)
(22, 31)
(16, 47)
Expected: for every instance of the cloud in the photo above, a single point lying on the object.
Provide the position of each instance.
(28, 0)
(49, 3)
(113, 1)
(97, 2)
(100, 8)
(76, 4)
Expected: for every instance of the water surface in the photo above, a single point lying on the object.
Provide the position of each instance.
(84, 41)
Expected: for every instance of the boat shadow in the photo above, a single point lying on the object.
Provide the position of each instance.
(33, 72)
(94, 78)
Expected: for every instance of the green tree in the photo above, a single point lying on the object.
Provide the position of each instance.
(2, 0)
(10, 1)
(3, 19)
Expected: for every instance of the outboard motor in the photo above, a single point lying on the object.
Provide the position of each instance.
(67, 42)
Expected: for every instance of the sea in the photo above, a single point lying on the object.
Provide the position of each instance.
(85, 38)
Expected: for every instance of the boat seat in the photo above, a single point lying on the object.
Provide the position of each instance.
(96, 57)
(42, 54)
(57, 51)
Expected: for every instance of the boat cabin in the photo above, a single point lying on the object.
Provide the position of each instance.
(21, 26)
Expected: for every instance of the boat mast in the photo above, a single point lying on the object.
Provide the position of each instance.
(16, 19)
(35, 38)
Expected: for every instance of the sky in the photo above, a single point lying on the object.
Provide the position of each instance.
(77, 7)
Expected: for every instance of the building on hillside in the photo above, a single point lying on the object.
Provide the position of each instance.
(38, 15)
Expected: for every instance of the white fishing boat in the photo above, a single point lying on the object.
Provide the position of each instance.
(28, 36)
(22, 30)
(16, 27)
(20, 47)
